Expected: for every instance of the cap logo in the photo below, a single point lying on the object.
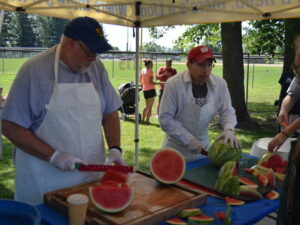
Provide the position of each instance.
(99, 32)
(204, 49)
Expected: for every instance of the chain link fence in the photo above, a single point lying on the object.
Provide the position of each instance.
(260, 75)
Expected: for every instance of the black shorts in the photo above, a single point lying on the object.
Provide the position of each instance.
(160, 95)
(149, 94)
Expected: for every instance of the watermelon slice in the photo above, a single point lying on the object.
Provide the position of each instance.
(110, 198)
(190, 212)
(176, 221)
(233, 201)
(271, 195)
(167, 166)
(271, 160)
(195, 220)
(113, 175)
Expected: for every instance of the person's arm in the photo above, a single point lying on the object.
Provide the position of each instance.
(281, 137)
(30, 143)
(287, 104)
(112, 131)
(26, 140)
(151, 81)
(111, 126)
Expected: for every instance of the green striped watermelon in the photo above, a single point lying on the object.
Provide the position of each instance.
(220, 153)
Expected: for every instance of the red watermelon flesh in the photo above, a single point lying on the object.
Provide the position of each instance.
(113, 175)
(271, 160)
(262, 179)
(271, 195)
(167, 166)
(111, 198)
(176, 221)
(233, 201)
(280, 170)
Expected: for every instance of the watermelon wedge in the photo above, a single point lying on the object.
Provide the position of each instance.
(176, 221)
(111, 198)
(201, 219)
(233, 201)
(167, 166)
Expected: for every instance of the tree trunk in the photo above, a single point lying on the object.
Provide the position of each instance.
(292, 30)
(233, 67)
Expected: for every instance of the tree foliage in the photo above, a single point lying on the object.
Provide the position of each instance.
(264, 37)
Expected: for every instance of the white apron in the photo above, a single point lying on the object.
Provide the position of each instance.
(195, 119)
(73, 124)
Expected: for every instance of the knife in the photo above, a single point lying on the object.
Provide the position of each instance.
(96, 167)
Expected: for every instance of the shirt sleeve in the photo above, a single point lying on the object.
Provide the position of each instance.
(226, 112)
(110, 99)
(170, 108)
(294, 88)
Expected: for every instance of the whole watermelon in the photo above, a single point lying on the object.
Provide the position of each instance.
(220, 153)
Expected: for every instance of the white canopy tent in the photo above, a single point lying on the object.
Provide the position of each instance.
(148, 13)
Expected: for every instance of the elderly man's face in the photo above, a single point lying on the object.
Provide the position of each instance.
(200, 72)
(80, 58)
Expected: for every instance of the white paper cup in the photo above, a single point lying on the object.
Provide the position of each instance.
(77, 207)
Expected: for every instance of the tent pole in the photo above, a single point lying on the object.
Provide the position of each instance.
(137, 117)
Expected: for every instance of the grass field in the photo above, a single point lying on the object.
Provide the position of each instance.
(263, 91)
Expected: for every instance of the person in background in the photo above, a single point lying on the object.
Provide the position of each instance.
(190, 101)
(57, 107)
(285, 81)
(290, 196)
(146, 80)
(163, 74)
(2, 99)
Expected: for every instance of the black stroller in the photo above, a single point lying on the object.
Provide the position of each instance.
(127, 93)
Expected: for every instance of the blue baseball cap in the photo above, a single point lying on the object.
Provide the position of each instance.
(89, 31)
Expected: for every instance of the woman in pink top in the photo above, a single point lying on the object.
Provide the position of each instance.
(146, 80)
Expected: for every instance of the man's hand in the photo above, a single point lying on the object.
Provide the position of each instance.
(64, 161)
(229, 136)
(282, 119)
(115, 157)
(195, 146)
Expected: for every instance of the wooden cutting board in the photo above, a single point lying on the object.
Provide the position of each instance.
(153, 202)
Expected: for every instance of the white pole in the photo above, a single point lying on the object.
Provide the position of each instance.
(137, 70)
(1, 19)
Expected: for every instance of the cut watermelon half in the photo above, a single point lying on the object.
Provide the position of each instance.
(167, 166)
(110, 198)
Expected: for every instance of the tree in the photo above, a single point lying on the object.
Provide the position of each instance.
(233, 67)
(9, 33)
(27, 37)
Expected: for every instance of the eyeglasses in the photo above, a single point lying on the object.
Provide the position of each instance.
(296, 70)
(90, 55)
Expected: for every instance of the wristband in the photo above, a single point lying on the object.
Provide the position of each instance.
(285, 134)
(116, 147)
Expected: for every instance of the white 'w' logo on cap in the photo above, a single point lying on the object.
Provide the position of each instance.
(204, 49)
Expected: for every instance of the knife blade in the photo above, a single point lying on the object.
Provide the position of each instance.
(97, 167)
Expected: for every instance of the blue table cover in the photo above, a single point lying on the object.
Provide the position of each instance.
(247, 214)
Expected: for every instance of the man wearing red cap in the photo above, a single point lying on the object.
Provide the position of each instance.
(56, 110)
(190, 101)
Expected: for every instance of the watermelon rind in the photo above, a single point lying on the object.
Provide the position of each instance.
(190, 212)
(106, 209)
(176, 221)
(246, 181)
(220, 153)
(167, 166)
(253, 194)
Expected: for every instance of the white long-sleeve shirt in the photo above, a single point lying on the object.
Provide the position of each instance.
(174, 99)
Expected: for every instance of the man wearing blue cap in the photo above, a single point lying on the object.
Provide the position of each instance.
(56, 109)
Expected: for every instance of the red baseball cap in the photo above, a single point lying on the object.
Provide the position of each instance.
(200, 54)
